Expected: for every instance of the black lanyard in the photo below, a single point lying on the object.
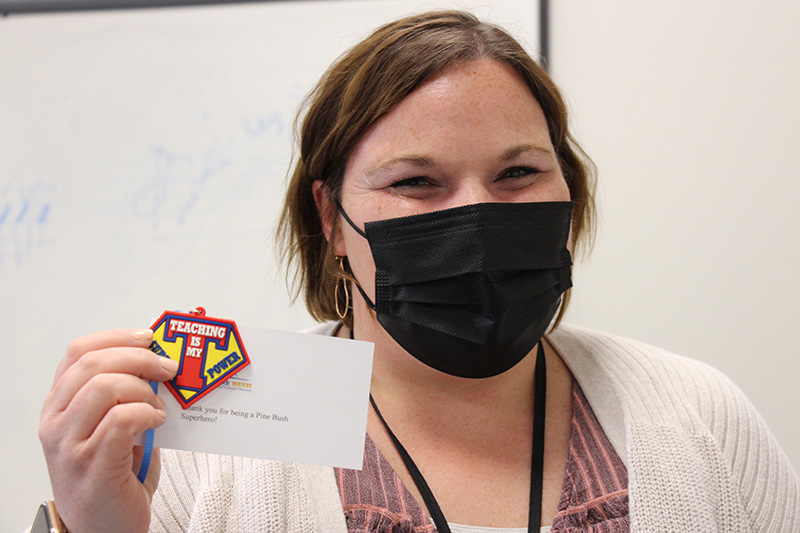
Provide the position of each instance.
(537, 456)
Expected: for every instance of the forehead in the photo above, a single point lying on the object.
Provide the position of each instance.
(480, 101)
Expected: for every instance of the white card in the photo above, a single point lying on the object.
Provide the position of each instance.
(303, 399)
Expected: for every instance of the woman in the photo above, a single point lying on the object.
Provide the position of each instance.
(432, 210)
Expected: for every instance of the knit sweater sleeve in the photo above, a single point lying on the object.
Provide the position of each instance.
(768, 484)
(203, 492)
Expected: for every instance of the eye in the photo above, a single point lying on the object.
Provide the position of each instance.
(519, 172)
(416, 181)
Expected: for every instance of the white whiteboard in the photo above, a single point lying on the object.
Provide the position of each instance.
(142, 162)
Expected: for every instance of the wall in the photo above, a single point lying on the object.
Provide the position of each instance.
(690, 111)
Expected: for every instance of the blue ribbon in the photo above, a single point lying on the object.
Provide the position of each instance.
(149, 435)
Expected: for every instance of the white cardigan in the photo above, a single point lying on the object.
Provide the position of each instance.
(699, 457)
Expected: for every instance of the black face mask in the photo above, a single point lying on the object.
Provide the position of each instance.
(470, 291)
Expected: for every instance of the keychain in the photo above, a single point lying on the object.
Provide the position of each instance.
(208, 351)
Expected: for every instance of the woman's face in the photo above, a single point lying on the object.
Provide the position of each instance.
(473, 133)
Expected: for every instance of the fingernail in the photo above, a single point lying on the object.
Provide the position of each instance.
(161, 413)
(160, 402)
(143, 335)
(169, 365)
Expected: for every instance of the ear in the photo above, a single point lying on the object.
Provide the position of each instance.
(327, 216)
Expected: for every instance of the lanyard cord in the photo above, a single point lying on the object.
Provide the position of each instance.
(537, 456)
(537, 450)
(149, 435)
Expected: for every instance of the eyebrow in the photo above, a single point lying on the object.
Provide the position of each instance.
(518, 150)
(421, 161)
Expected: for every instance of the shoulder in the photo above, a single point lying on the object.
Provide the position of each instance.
(611, 351)
(650, 375)
(654, 384)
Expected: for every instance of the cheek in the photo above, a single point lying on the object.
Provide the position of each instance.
(562, 189)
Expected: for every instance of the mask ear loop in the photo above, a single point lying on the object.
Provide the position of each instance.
(347, 218)
(364, 295)
(360, 232)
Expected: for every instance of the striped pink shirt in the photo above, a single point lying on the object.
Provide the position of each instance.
(594, 495)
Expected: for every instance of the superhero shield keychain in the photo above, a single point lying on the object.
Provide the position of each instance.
(208, 351)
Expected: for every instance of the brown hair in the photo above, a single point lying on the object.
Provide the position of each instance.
(365, 84)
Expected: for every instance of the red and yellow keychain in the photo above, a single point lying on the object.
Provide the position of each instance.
(208, 351)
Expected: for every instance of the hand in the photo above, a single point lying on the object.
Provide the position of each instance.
(100, 400)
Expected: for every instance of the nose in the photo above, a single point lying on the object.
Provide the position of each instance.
(472, 192)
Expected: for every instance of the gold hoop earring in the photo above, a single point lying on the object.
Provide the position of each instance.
(343, 280)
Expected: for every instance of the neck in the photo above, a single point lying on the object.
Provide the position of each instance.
(403, 385)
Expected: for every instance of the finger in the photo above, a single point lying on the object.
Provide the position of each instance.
(134, 338)
(99, 395)
(116, 431)
(139, 362)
